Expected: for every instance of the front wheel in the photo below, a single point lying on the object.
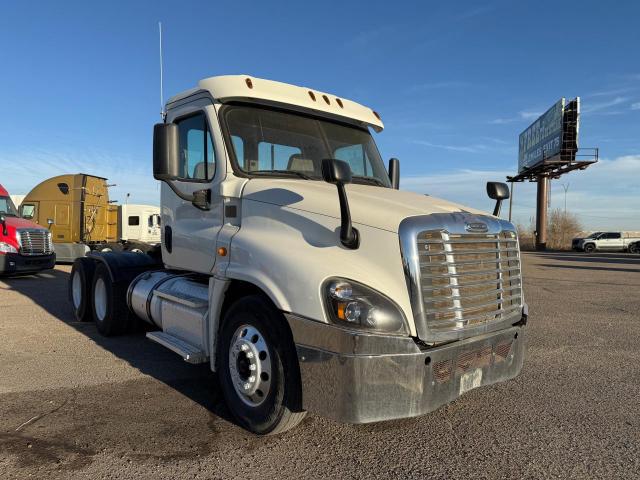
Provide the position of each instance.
(589, 248)
(258, 366)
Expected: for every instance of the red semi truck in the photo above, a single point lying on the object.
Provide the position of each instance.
(25, 247)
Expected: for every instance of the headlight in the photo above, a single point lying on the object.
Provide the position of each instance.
(354, 305)
(7, 248)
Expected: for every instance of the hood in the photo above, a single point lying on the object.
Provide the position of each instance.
(13, 224)
(370, 205)
(19, 222)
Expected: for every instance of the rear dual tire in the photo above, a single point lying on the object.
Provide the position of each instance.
(80, 285)
(110, 311)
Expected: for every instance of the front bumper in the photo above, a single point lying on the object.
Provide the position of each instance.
(15, 263)
(360, 378)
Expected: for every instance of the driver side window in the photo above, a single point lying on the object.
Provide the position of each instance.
(28, 211)
(197, 155)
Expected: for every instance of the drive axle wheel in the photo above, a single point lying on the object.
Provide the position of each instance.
(80, 281)
(110, 310)
(258, 365)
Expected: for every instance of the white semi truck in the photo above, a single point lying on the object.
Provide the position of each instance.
(293, 265)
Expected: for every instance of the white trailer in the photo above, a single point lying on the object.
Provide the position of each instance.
(295, 268)
(139, 223)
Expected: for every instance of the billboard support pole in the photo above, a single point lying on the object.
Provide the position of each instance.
(541, 213)
(510, 201)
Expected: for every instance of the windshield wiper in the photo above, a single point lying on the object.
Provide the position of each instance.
(370, 180)
(292, 173)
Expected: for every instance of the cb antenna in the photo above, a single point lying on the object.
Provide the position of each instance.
(163, 113)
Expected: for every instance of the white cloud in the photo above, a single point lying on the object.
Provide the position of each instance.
(453, 148)
(23, 170)
(635, 106)
(522, 115)
(604, 196)
(588, 107)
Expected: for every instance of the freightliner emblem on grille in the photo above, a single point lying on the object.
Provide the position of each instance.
(476, 227)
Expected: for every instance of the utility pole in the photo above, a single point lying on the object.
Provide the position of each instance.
(510, 201)
(566, 187)
(541, 213)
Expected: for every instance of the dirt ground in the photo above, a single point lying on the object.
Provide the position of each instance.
(76, 405)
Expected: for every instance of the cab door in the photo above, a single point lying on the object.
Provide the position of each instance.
(614, 241)
(189, 233)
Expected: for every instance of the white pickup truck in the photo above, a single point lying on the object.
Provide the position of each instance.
(295, 268)
(607, 242)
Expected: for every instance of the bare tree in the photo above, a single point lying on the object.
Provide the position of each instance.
(563, 227)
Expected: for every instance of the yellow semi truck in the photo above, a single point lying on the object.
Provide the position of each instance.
(77, 210)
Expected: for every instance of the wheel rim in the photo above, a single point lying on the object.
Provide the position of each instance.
(100, 299)
(250, 365)
(76, 290)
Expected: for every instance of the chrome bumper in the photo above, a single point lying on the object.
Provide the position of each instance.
(360, 378)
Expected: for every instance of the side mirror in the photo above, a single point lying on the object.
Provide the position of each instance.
(394, 173)
(166, 152)
(497, 191)
(50, 222)
(166, 164)
(4, 225)
(338, 173)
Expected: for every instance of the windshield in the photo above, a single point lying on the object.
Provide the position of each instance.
(595, 235)
(7, 207)
(271, 142)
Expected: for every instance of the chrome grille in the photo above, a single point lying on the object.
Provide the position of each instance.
(462, 272)
(468, 279)
(35, 242)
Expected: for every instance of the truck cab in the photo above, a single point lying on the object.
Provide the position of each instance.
(294, 266)
(24, 246)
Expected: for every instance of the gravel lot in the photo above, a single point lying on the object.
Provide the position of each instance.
(76, 405)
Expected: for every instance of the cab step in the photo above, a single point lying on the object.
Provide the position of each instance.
(188, 352)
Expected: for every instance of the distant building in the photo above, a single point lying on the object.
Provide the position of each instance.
(17, 199)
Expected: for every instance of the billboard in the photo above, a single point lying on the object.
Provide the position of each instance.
(542, 139)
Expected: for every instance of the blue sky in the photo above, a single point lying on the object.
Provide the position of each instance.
(455, 84)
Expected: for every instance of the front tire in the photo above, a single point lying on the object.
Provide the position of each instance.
(589, 248)
(80, 282)
(258, 365)
(110, 311)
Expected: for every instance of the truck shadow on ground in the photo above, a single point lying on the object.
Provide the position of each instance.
(195, 382)
(629, 260)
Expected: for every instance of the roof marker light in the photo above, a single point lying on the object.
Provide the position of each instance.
(313, 97)
(326, 99)
(377, 115)
(339, 102)
(249, 82)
